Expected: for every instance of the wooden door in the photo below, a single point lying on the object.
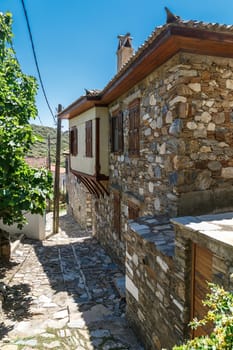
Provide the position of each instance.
(202, 273)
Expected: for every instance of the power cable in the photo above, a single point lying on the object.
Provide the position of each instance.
(13, 50)
(36, 61)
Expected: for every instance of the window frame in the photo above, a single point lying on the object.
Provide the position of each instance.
(134, 128)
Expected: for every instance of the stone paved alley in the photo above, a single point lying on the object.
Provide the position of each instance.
(61, 294)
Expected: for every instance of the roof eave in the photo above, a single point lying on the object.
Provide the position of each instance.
(171, 41)
(156, 51)
(79, 106)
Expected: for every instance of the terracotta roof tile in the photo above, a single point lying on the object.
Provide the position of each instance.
(159, 30)
(212, 27)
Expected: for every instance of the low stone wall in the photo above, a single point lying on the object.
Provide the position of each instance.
(215, 233)
(160, 275)
(152, 308)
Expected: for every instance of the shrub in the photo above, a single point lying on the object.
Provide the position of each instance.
(220, 314)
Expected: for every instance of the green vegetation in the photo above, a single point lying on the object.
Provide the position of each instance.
(220, 314)
(40, 147)
(22, 188)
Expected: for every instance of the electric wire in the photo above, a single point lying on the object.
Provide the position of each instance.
(13, 50)
(36, 61)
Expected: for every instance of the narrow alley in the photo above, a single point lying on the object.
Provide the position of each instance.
(64, 293)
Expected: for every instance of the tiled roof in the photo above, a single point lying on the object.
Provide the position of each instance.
(211, 27)
(158, 32)
(39, 162)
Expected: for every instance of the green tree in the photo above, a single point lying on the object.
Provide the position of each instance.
(22, 188)
(220, 314)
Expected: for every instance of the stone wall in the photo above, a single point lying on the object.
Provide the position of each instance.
(144, 177)
(185, 165)
(212, 238)
(159, 273)
(105, 232)
(186, 143)
(152, 306)
(79, 202)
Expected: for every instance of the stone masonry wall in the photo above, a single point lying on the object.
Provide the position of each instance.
(186, 143)
(152, 305)
(159, 274)
(185, 165)
(143, 177)
(202, 171)
(222, 262)
(105, 233)
(79, 202)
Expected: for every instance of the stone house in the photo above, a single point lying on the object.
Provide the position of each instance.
(156, 143)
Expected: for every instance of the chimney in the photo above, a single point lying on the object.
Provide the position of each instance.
(124, 50)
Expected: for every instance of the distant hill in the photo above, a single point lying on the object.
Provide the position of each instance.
(40, 148)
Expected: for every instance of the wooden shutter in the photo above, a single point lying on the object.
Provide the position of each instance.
(70, 140)
(131, 128)
(202, 273)
(120, 132)
(74, 141)
(114, 134)
(134, 127)
(89, 138)
(117, 132)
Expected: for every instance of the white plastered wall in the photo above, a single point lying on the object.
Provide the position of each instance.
(84, 164)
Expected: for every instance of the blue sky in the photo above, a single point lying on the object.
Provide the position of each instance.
(76, 40)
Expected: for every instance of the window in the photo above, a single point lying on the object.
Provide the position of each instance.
(89, 138)
(73, 141)
(117, 132)
(133, 211)
(117, 214)
(134, 124)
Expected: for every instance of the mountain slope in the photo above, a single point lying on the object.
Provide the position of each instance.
(40, 148)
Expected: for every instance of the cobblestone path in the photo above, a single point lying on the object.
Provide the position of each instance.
(61, 294)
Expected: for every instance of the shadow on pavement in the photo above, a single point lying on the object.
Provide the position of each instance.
(15, 299)
(5, 267)
(71, 282)
(73, 230)
(84, 270)
(4, 330)
(17, 302)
